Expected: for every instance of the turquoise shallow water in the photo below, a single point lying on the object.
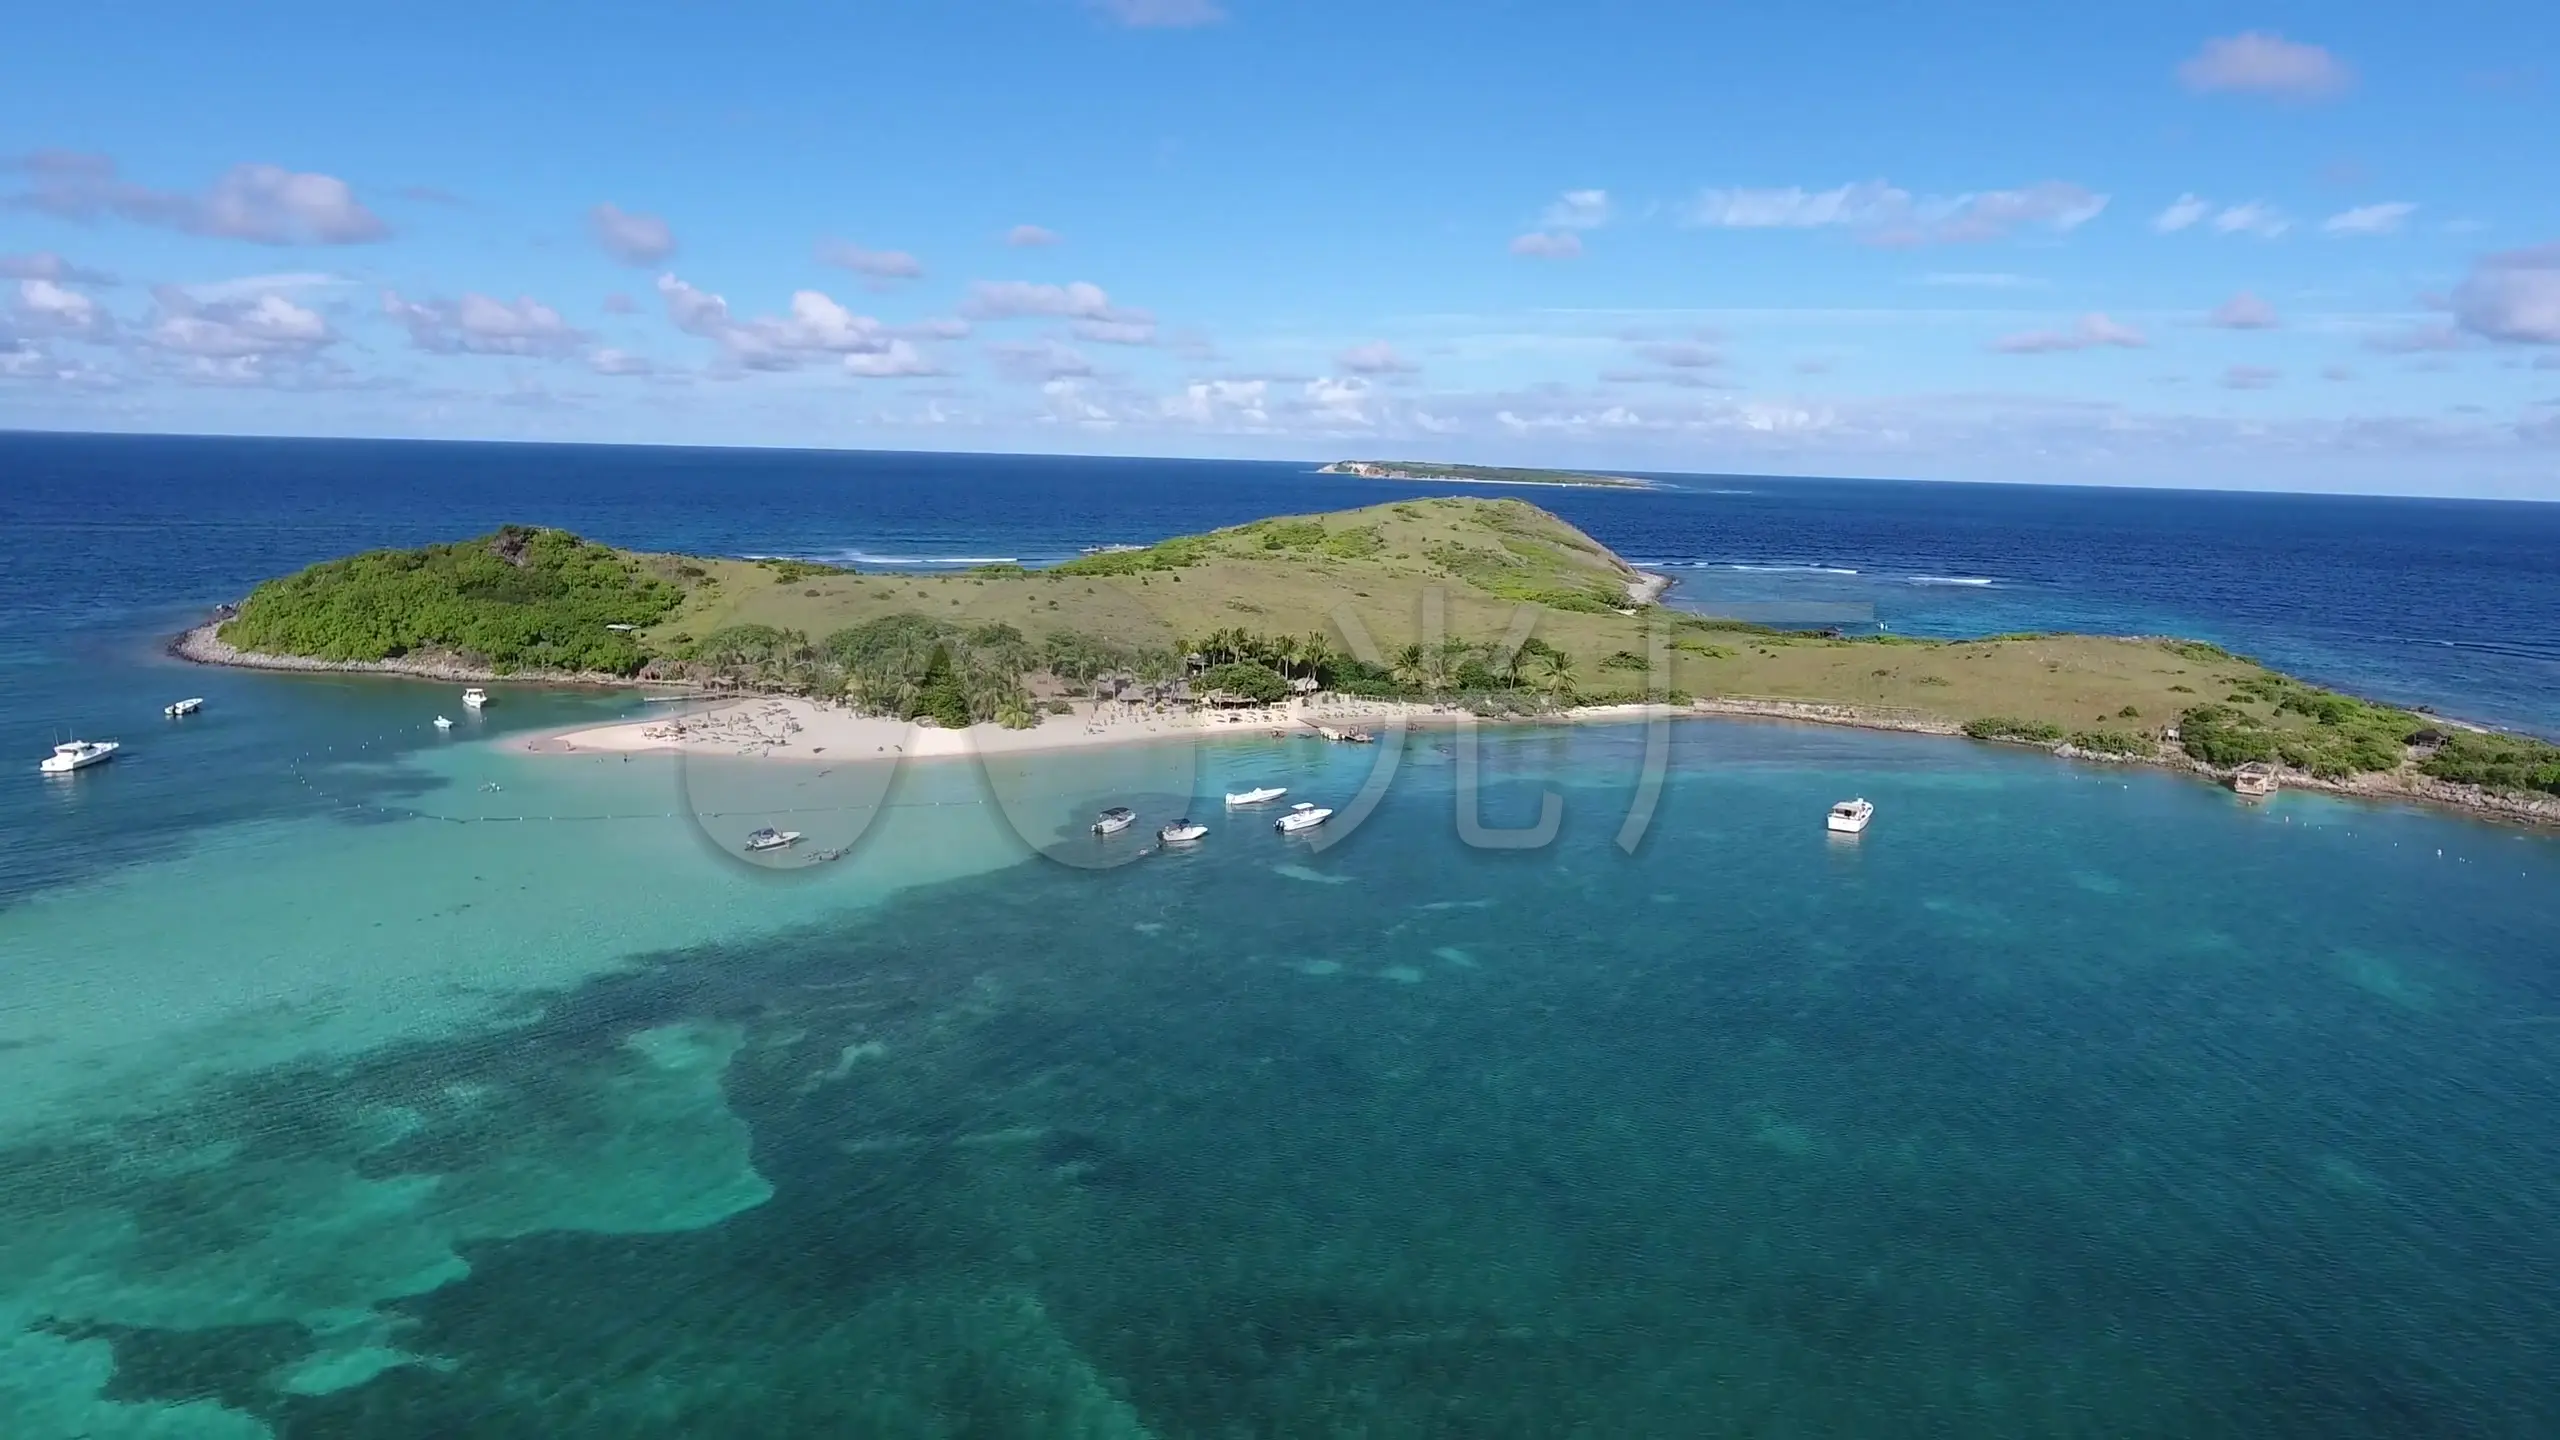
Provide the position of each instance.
(2066, 1101)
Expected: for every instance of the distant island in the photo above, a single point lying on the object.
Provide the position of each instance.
(1331, 606)
(1431, 472)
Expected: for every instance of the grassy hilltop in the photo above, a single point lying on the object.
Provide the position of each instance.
(1341, 599)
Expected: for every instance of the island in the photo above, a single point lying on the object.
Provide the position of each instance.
(1435, 473)
(1413, 610)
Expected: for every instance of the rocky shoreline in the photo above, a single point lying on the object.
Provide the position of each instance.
(204, 645)
(2404, 785)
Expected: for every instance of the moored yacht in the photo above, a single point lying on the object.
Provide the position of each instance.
(183, 707)
(1301, 816)
(443, 724)
(1850, 817)
(475, 697)
(1256, 796)
(1180, 831)
(769, 838)
(77, 755)
(1114, 820)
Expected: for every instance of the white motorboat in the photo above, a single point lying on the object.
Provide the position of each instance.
(183, 707)
(1114, 820)
(1182, 831)
(1850, 817)
(1258, 796)
(474, 698)
(769, 838)
(78, 755)
(443, 724)
(1301, 816)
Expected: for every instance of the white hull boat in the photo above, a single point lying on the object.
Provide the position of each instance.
(1114, 820)
(443, 724)
(1301, 816)
(1182, 832)
(184, 707)
(1264, 795)
(1850, 817)
(769, 839)
(473, 699)
(78, 755)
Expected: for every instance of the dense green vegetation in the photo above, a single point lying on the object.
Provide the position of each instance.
(2496, 762)
(518, 599)
(914, 665)
(2112, 742)
(2344, 736)
(2004, 727)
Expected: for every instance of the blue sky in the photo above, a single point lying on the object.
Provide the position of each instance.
(2297, 246)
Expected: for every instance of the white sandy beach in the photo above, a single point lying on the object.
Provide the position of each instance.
(793, 729)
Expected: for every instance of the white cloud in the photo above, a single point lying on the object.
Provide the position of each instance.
(2253, 217)
(1868, 203)
(2244, 311)
(2183, 212)
(267, 204)
(1337, 401)
(249, 287)
(46, 265)
(232, 329)
(1216, 404)
(1375, 358)
(2380, 219)
(1577, 210)
(2250, 377)
(1680, 354)
(50, 309)
(1038, 360)
(1024, 237)
(1021, 299)
(813, 326)
(480, 324)
(2513, 296)
(633, 239)
(1890, 215)
(1991, 214)
(878, 264)
(1540, 245)
(1072, 402)
(2089, 332)
(1162, 14)
(898, 360)
(1115, 332)
(2264, 63)
(2416, 340)
(695, 312)
(605, 360)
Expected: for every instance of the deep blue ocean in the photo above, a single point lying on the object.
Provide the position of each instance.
(361, 1081)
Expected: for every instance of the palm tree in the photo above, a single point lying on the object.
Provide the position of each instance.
(1555, 671)
(1319, 647)
(1410, 668)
